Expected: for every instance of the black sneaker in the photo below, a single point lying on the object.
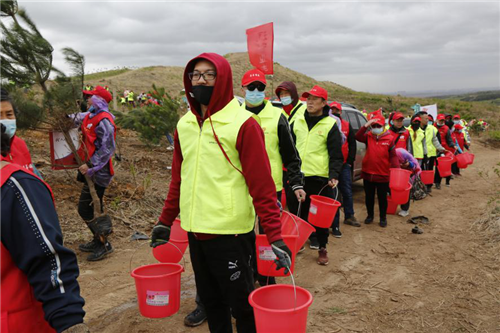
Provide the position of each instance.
(102, 251)
(438, 186)
(195, 318)
(314, 243)
(90, 246)
(368, 220)
(336, 232)
(383, 223)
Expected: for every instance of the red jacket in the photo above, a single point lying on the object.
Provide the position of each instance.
(87, 149)
(345, 146)
(21, 312)
(403, 139)
(379, 151)
(19, 153)
(250, 145)
(443, 131)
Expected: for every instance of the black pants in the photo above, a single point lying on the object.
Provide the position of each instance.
(382, 189)
(85, 206)
(455, 169)
(224, 279)
(438, 178)
(312, 186)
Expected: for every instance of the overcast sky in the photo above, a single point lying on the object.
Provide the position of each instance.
(369, 46)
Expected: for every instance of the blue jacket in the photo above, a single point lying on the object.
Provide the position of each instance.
(30, 231)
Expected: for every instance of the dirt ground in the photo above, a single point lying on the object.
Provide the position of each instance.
(378, 280)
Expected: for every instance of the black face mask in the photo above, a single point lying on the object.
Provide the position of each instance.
(415, 126)
(202, 94)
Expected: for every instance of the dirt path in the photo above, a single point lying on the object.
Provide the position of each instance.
(378, 280)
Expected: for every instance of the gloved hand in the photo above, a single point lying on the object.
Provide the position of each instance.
(284, 255)
(160, 235)
(79, 328)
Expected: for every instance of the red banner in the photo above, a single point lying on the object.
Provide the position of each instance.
(260, 41)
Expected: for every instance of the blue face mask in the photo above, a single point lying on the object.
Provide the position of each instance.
(10, 127)
(431, 122)
(255, 97)
(392, 123)
(377, 131)
(287, 100)
(91, 108)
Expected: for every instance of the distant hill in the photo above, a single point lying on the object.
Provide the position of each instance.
(170, 77)
(492, 96)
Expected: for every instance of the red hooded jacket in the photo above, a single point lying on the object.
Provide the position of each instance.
(250, 146)
(19, 153)
(379, 155)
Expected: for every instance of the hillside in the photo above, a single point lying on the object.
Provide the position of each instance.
(492, 96)
(170, 77)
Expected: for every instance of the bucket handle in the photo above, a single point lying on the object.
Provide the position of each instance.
(137, 248)
(336, 192)
(293, 283)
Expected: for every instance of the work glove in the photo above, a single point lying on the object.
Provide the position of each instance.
(160, 235)
(284, 255)
(79, 328)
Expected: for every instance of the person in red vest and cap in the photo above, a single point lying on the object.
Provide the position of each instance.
(19, 153)
(401, 134)
(376, 166)
(319, 143)
(220, 182)
(40, 291)
(345, 179)
(458, 138)
(446, 141)
(97, 149)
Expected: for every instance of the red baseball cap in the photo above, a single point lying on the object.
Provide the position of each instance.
(457, 116)
(458, 126)
(440, 117)
(379, 120)
(252, 76)
(101, 92)
(430, 116)
(336, 105)
(316, 91)
(398, 115)
(417, 119)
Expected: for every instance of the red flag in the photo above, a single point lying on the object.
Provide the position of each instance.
(260, 42)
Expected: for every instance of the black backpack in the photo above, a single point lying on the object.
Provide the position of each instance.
(418, 189)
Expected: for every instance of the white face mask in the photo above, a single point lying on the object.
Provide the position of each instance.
(456, 122)
(377, 131)
(10, 125)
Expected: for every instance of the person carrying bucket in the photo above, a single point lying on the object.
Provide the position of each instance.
(406, 161)
(401, 133)
(319, 144)
(376, 165)
(280, 146)
(218, 186)
(447, 142)
(419, 148)
(458, 138)
(431, 141)
(458, 121)
(40, 291)
(345, 178)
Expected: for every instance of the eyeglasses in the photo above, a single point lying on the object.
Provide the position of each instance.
(208, 76)
(258, 86)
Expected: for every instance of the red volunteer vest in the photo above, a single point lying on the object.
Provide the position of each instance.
(442, 133)
(403, 139)
(345, 146)
(89, 136)
(19, 154)
(377, 160)
(21, 312)
(460, 138)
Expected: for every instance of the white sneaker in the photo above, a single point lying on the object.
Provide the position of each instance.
(403, 213)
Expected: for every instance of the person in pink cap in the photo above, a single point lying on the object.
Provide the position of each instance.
(319, 143)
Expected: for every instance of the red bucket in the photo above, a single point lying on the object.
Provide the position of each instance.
(280, 308)
(391, 206)
(294, 225)
(427, 177)
(174, 250)
(462, 161)
(444, 166)
(472, 158)
(399, 179)
(451, 155)
(158, 289)
(322, 211)
(401, 197)
(266, 256)
(469, 157)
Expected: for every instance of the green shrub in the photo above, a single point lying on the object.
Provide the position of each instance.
(30, 114)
